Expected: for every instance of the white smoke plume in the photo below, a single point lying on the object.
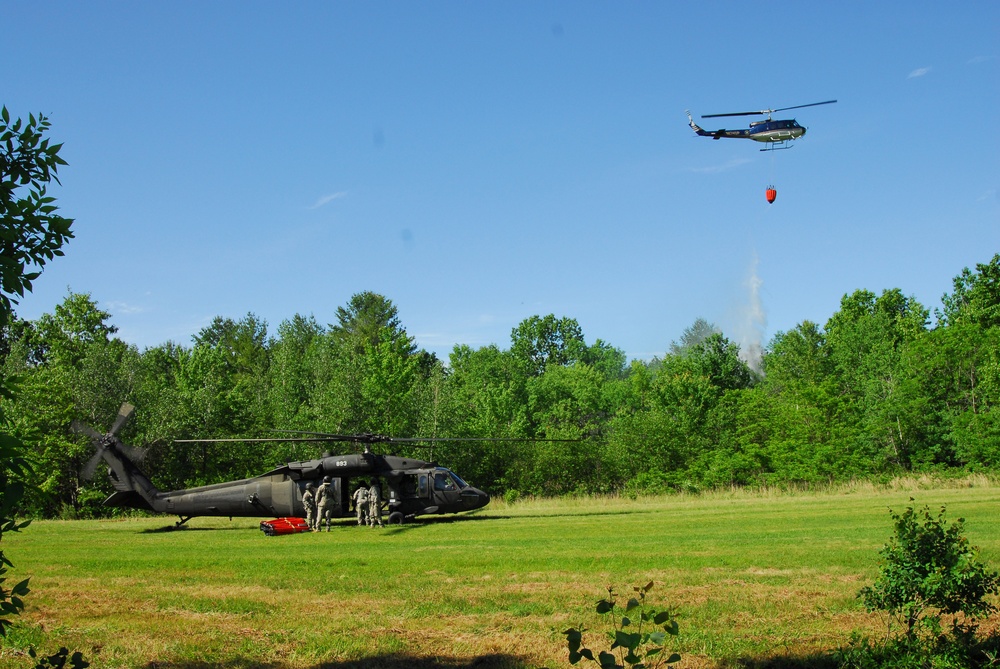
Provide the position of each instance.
(753, 321)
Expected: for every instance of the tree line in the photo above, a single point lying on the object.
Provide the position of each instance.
(875, 392)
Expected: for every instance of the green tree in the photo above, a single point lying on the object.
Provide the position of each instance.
(566, 403)
(928, 569)
(388, 385)
(360, 323)
(76, 323)
(950, 396)
(865, 340)
(693, 335)
(222, 383)
(976, 296)
(485, 396)
(292, 374)
(541, 341)
(31, 232)
(798, 361)
(83, 373)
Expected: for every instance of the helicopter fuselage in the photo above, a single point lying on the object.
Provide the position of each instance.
(771, 131)
(775, 131)
(409, 488)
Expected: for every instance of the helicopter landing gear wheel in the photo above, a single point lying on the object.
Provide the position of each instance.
(396, 518)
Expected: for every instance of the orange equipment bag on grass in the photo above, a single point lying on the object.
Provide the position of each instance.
(283, 526)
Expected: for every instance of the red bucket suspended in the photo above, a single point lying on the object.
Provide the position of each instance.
(771, 194)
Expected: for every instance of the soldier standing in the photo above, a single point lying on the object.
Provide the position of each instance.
(309, 502)
(361, 504)
(324, 504)
(375, 504)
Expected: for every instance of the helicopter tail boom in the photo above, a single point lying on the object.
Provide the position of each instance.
(133, 488)
(716, 134)
(701, 132)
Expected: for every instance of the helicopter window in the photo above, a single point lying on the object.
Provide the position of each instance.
(443, 482)
(458, 480)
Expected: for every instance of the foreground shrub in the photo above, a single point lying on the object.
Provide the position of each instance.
(929, 569)
(942, 652)
(637, 636)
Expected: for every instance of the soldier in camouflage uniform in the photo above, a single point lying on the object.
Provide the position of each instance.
(375, 504)
(361, 504)
(309, 502)
(324, 504)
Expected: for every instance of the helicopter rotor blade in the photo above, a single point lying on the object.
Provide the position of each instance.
(83, 428)
(483, 439)
(748, 113)
(123, 415)
(811, 104)
(136, 455)
(762, 112)
(87, 473)
(252, 440)
(368, 438)
(362, 438)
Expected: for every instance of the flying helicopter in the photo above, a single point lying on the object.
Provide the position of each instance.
(775, 133)
(415, 487)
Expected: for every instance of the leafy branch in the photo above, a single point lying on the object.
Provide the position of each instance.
(638, 636)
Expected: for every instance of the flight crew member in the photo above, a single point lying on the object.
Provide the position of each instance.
(324, 504)
(361, 504)
(375, 504)
(309, 502)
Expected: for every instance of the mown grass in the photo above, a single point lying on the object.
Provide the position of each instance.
(753, 575)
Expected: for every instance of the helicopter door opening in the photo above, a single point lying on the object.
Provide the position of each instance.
(407, 487)
(345, 493)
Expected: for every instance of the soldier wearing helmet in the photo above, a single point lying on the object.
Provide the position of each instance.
(309, 502)
(325, 502)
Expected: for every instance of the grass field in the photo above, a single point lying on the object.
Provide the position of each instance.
(751, 575)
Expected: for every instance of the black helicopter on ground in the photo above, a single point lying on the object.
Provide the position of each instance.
(415, 487)
(776, 133)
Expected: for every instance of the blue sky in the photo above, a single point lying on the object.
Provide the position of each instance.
(482, 162)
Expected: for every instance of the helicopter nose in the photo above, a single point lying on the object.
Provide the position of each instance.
(474, 498)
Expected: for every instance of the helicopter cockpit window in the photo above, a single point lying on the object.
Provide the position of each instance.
(442, 481)
(458, 480)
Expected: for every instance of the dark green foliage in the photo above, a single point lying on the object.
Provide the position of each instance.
(976, 296)
(540, 342)
(929, 569)
(361, 322)
(14, 470)
(59, 659)
(31, 233)
(941, 652)
(638, 634)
